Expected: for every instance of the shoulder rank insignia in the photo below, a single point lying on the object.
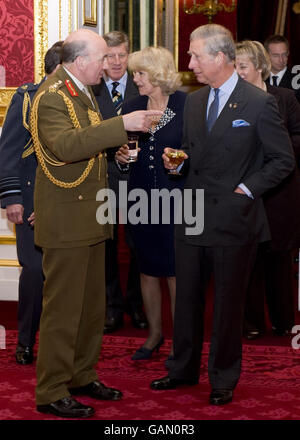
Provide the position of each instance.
(55, 86)
(25, 86)
(71, 88)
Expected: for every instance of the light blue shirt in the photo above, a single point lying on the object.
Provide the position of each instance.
(225, 91)
(122, 84)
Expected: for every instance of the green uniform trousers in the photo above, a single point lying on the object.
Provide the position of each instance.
(72, 320)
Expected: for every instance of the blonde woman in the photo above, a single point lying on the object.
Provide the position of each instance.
(273, 271)
(158, 82)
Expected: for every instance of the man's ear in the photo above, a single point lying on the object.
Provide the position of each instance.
(80, 63)
(220, 58)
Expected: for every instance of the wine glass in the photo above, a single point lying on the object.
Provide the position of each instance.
(176, 158)
(133, 143)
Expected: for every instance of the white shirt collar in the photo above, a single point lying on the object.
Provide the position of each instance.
(76, 80)
(122, 80)
(279, 75)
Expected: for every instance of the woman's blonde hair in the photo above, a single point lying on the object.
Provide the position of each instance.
(159, 63)
(257, 55)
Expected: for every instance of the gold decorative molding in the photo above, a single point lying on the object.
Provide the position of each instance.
(6, 94)
(9, 263)
(59, 21)
(188, 78)
(70, 17)
(7, 239)
(40, 37)
(176, 33)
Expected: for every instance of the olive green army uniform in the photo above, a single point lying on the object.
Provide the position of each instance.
(68, 137)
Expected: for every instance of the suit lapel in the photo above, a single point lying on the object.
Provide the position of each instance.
(230, 112)
(131, 89)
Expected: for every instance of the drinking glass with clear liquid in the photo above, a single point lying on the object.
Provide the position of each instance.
(133, 145)
(176, 158)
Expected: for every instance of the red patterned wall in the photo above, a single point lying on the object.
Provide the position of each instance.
(17, 41)
(187, 23)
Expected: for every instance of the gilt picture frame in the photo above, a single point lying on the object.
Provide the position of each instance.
(90, 13)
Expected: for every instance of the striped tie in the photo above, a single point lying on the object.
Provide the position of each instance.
(117, 97)
(213, 111)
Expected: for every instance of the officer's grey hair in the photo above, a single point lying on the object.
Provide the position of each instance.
(115, 38)
(74, 49)
(217, 39)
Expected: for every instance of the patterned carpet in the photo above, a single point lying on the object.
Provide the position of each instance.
(269, 388)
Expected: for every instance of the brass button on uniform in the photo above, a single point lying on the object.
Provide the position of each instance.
(151, 148)
(28, 183)
(151, 167)
(151, 157)
(80, 197)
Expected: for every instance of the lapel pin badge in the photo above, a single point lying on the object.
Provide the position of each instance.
(233, 105)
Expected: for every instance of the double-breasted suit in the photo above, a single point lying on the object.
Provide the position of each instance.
(248, 145)
(287, 82)
(116, 305)
(68, 136)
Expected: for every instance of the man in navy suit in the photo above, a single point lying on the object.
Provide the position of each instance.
(277, 47)
(17, 177)
(110, 94)
(238, 148)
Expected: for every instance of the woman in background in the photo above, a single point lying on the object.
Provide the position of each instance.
(273, 271)
(158, 82)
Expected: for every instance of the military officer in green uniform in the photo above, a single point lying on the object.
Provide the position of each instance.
(70, 141)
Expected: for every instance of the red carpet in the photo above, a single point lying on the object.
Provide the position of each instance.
(269, 388)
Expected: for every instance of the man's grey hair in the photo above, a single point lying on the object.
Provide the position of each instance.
(217, 39)
(115, 38)
(72, 50)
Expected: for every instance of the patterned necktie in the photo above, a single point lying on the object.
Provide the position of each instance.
(117, 97)
(213, 111)
(275, 78)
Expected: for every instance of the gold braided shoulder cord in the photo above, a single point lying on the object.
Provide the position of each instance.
(26, 105)
(41, 154)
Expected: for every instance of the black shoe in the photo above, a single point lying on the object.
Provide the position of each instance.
(252, 334)
(67, 407)
(97, 390)
(280, 331)
(24, 355)
(139, 320)
(112, 324)
(220, 397)
(169, 383)
(146, 353)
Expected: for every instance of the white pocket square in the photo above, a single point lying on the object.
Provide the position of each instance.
(240, 123)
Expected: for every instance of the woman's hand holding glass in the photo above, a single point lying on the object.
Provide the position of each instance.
(125, 154)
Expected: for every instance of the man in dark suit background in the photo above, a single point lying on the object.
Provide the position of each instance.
(110, 94)
(238, 148)
(17, 178)
(277, 47)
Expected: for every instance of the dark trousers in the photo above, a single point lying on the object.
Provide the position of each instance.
(230, 267)
(30, 284)
(272, 278)
(116, 304)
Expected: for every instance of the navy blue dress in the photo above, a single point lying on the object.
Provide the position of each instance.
(154, 243)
